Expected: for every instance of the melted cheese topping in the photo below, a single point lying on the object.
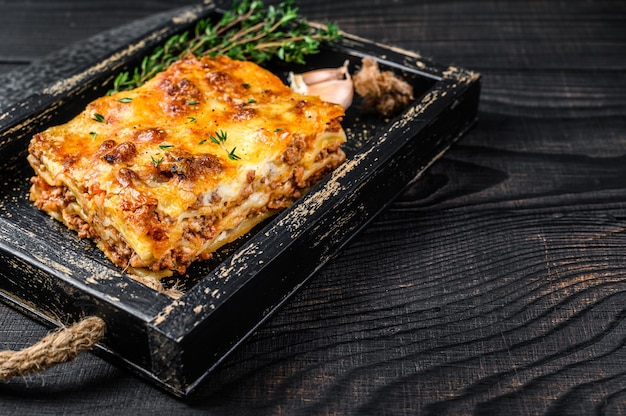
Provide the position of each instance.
(167, 173)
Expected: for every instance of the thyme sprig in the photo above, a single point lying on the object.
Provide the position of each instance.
(219, 139)
(249, 31)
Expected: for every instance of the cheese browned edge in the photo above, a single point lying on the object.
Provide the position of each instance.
(141, 174)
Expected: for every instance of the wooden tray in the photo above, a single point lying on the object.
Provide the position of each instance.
(49, 273)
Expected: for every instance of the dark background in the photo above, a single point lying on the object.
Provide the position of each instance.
(497, 283)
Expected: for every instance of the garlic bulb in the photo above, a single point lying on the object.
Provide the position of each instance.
(330, 84)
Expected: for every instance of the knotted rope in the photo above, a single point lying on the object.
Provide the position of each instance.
(57, 347)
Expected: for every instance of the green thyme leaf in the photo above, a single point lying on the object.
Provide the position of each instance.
(156, 162)
(232, 155)
(125, 100)
(98, 117)
(214, 139)
(221, 135)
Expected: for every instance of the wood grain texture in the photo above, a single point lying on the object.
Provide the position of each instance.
(496, 284)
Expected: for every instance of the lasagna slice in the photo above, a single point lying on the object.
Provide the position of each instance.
(165, 174)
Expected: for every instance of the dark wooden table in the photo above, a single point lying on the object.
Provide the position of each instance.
(496, 284)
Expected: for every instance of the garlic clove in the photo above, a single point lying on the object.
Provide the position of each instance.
(330, 84)
(321, 75)
(337, 91)
(296, 83)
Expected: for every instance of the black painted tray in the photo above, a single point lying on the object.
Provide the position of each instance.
(50, 274)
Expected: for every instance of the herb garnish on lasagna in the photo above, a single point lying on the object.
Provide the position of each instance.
(165, 174)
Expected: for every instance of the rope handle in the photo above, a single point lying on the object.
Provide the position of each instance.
(59, 346)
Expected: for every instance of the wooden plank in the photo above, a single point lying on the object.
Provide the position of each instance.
(41, 20)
